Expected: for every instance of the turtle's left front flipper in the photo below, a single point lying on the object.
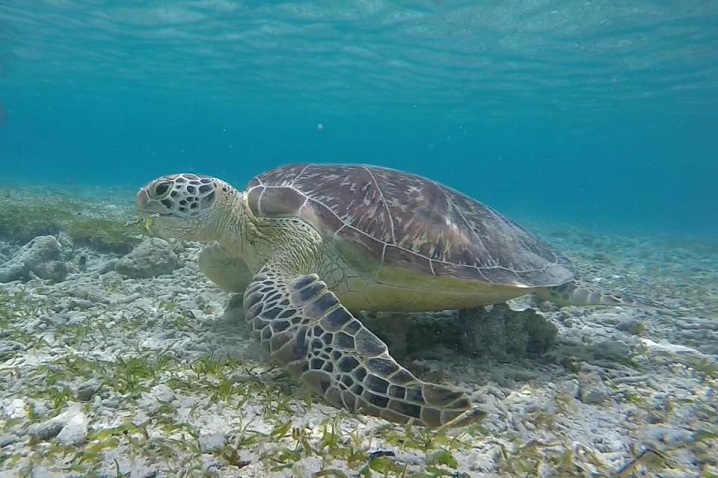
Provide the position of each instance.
(302, 324)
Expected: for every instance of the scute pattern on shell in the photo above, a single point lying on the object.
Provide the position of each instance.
(391, 214)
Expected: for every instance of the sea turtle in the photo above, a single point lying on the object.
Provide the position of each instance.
(309, 245)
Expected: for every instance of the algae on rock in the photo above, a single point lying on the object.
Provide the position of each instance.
(104, 235)
(502, 332)
(21, 220)
(499, 332)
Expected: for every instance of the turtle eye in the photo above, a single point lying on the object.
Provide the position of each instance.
(162, 188)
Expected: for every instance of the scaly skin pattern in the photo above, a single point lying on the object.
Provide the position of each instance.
(306, 244)
(293, 314)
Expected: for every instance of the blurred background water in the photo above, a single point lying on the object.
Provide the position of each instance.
(590, 112)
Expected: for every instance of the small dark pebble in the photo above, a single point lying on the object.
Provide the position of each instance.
(87, 390)
(378, 453)
(7, 349)
(6, 440)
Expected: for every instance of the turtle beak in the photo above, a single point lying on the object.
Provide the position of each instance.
(148, 207)
(142, 200)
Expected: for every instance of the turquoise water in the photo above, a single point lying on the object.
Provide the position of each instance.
(601, 113)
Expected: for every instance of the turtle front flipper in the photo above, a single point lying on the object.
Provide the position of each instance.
(225, 269)
(576, 292)
(302, 324)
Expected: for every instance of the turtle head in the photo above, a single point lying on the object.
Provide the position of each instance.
(188, 206)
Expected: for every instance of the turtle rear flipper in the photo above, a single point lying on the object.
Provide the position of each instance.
(302, 324)
(577, 292)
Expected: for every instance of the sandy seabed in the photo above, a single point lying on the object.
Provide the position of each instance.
(118, 358)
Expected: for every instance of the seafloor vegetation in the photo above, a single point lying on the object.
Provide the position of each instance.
(105, 375)
(85, 221)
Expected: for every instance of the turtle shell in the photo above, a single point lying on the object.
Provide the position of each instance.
(376, 217)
